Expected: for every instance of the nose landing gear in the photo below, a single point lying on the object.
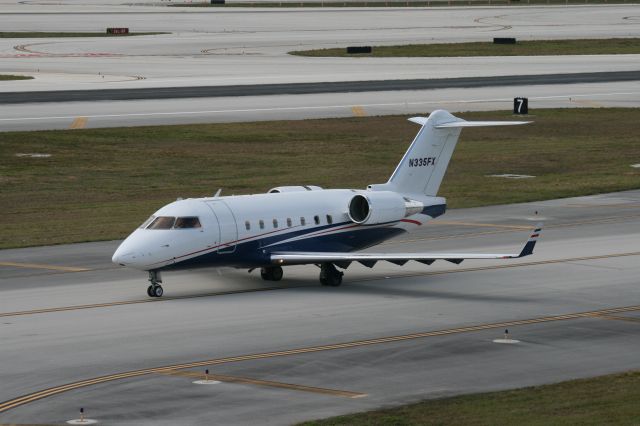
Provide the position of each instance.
(155, 289)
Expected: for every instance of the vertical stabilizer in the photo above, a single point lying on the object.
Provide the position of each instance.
(424, 164)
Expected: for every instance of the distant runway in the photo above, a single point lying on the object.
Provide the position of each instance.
(315, 88)
(77, 115)
(78, 331)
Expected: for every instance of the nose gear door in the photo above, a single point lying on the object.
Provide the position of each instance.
(227, 224)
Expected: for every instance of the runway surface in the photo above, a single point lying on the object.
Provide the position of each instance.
(75, 115)
(210, 49)
(390, 335)
(314, 88)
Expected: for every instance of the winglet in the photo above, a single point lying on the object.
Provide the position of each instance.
(531, 242)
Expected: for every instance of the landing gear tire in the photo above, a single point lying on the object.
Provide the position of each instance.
(158, 291)
(330, 276)
(155, 289)
(271, 273)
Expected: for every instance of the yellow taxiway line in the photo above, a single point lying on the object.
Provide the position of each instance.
(267, 383)
(479, 225)
(133, 302)
(617, 318)
(223, 293)
(604, 206)
(358, 111)
(41, 266)
(506, 228)
(79, 123)
(35, 396)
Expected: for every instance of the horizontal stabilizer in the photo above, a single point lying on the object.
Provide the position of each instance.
(369, 259)
(419, 120)
(462, 123)
(456, 124)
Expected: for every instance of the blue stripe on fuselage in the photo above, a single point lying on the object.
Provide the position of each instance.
(255, 253)
(252, 254)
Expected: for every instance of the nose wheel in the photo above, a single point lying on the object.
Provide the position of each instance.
(155, 289)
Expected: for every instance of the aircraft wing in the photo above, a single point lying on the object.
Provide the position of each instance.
(369, 259)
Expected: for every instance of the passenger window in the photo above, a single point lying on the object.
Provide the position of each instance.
(316, 219)
(187, 222)
(289, 223)
(302, 221)
(162, 222)
(147, 222)
(329, 219)
(261, 223)
(247, 225)
(275, 223)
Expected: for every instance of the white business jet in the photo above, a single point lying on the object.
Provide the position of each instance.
(293, 225)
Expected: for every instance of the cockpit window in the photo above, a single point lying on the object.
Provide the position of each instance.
(147, 222)
(162, 222)
(187, 222)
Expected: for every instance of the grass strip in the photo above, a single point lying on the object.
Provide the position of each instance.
(612, 46)
(99, 184)
(38, 34)
(605, 400)
(400, 3)
(4, 77)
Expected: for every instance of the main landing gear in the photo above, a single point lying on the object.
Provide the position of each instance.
(329, 275)
(271, 273)
(155, 289)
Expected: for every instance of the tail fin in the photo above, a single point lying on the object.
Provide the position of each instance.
(424, 164)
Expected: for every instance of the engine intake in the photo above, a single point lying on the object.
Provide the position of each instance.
(380, 207)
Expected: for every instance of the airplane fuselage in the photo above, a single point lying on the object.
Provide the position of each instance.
(243, 231)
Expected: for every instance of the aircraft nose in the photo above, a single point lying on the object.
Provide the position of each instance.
(121, 258)
(125, 255)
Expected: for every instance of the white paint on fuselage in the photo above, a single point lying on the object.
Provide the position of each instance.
(148, 249)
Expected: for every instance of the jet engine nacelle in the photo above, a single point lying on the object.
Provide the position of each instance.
(376, 207)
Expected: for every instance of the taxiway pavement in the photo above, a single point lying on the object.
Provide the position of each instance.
(389, 335)
(249, 46)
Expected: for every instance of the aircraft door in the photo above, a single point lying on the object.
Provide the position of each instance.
(227, 224)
